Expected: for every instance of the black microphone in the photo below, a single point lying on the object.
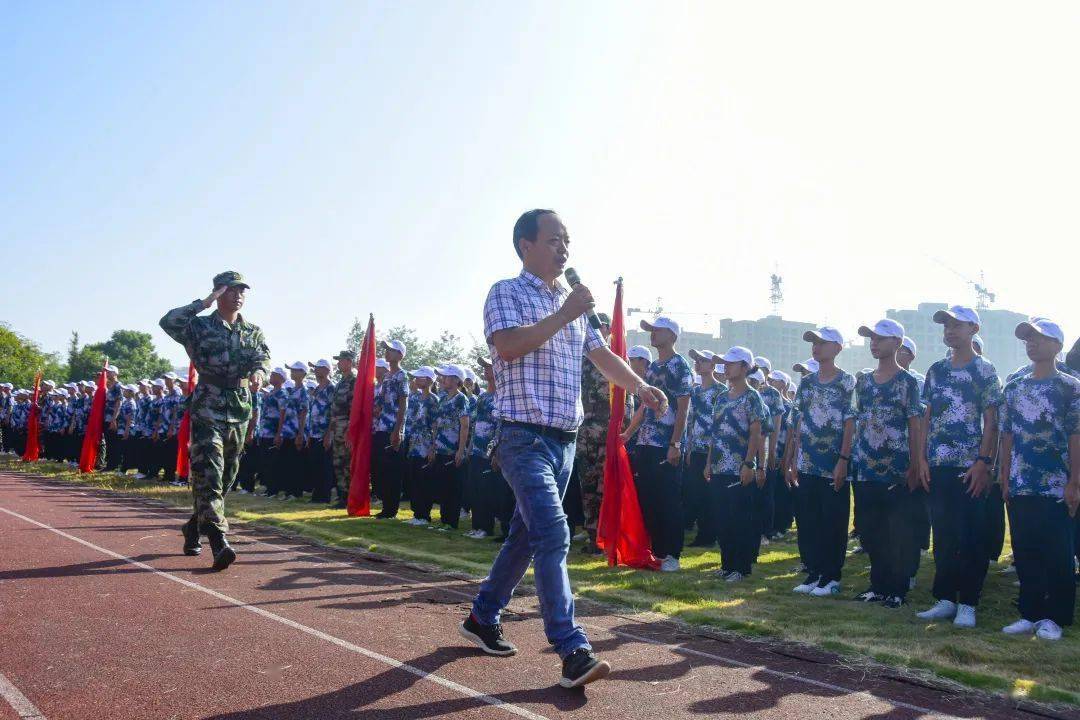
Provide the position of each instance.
(573, 279)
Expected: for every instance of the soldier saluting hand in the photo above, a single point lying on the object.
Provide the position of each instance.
(226, 350)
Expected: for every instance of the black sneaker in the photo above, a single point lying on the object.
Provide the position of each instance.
(893, 601)
(869, 595)
(488, 638)
(582, 667)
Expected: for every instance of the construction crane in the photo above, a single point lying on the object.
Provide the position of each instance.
(984, 296)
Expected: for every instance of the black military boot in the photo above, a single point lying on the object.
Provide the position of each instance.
(224, 555)
(192, 543)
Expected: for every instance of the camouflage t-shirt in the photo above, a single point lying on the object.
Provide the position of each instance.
(957, 398)
(446, 426)
(420, 438)
(882, 411)
(821, 410)
(702, 404)
(1041, 415)
(390, 391)
(675, 378)
(730, 432)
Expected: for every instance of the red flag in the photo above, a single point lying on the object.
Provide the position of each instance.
(95, 425)
(183, 436)
(360, 427)
(33, 424)
(621, 529)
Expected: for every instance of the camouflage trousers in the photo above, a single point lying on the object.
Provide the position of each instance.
(215, 459)
(591, 453)
(342, 457)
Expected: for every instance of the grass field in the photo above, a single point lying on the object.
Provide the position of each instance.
(762, 606)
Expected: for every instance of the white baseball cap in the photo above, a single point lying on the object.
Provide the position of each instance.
(910, 345)
(280, 371)
(309, 384)
(763, 362)
(705, 355)
(957, 312)
(324, 363)
(301, 366)
(171, 376)
(451, 371)
(811, 366)
(884, 328)
(112, 369)
(739, 354)
(639, 351)
(780, 375)
(423, 371)
(825, 333)
(381, 363)
(158, 383)
(394, 345)
(661, 322)
(1042, 326)
(757, 375)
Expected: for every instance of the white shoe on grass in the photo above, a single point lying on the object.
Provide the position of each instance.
(965, 616)
(827, 590)
(669, 564)
(478, 534)
(1020, 627)
(942, 610)
(734, 576)
(1047, 630)
(806, 586)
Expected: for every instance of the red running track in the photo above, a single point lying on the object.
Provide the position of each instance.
(102, 616)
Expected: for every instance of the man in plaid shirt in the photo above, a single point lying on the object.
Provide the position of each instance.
(538, 333)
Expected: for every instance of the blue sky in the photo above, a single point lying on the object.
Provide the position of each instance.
(372, 157)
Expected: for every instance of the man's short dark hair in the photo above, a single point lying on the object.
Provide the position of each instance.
(527, 226)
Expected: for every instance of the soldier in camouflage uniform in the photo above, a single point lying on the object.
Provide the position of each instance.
(225, 350)
(336, 437)
(592, 441)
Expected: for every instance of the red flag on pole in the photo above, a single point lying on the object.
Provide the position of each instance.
(95, 425)
(621, 529)
(183, 436)
(363, 403)
(33, 424)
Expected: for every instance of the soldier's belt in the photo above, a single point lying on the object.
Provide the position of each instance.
(222, 381)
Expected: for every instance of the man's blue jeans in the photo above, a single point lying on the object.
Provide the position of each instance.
(538, 469)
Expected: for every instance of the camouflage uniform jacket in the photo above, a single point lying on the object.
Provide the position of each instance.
(341, 402)
(218, 348)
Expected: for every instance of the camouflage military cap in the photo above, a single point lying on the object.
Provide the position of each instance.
(345, 355)
(230, 278)
(604, 318)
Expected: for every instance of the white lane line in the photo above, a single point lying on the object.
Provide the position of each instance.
(863, 695)
(17, 700)
(345, 644)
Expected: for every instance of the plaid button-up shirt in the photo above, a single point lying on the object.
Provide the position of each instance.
(543, 387)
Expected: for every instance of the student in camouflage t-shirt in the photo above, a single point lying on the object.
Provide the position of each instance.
(1040, 464)
(961, 395)
(887, 411)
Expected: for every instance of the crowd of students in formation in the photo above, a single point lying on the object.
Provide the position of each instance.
(742, 452)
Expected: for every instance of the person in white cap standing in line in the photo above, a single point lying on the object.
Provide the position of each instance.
(449, 450)
(174, 403)
(770, 467)
(270, 416)
(781, 494)
(421, 479)
(697, 500)
(158, 424)
(731, 466)
(819, 463)
(920, 507)
(888, 419)
(658, 454)
(113, 396)
(961, 395)
(639, 358)
(1040, 462)
(291, 439)
(319, 470)
(388, 427)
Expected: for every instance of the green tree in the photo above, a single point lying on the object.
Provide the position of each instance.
(129, 350)
(447, 348)
(20, 358)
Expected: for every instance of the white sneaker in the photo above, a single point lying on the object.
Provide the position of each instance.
(965, 616)
(140, 476)
(242, 491)
(734, 577)
(830, 588)
(669, 564)
(1048, 630)
(478, 534)
(1020, 627)
(581, 536)
(942, 610)
(805, 586)
(764, 540)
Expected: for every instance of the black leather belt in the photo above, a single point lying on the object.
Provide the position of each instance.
(563, 436)
(222, 382)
